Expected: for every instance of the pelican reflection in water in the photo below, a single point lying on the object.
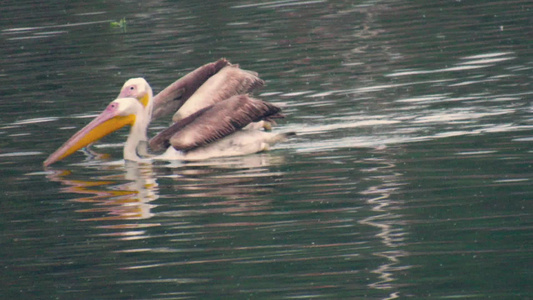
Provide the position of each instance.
(214, 117)
(123, 196)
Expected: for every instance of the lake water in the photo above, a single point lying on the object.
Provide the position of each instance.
(410, 175)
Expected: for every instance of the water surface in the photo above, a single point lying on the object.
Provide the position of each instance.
(410, 176)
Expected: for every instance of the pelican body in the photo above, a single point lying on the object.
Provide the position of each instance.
(214, 116)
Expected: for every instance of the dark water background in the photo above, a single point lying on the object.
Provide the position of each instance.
(410, 176)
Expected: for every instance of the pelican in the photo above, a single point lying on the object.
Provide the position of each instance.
(214, 116)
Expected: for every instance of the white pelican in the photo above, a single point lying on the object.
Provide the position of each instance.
(215, 117)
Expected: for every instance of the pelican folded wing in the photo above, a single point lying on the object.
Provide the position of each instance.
(214, 122)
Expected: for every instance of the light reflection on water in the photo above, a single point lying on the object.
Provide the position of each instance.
(129, 197)
(389, 223)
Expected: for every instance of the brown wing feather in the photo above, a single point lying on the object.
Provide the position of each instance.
(228, 82)
(161, 141)
(236, 82)
(214, 122)
(172, 98)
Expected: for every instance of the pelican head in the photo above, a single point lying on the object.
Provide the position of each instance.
(139, 89)
(133, 109)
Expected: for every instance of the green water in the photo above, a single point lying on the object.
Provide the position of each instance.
(410, 175)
